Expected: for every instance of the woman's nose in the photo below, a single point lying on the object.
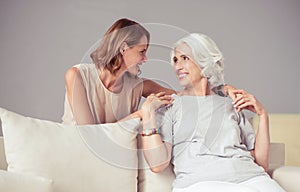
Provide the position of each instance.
(178, 65)
(144, 58)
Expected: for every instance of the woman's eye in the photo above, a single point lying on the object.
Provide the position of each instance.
(143, 52)
(175, 59)
(185, 58)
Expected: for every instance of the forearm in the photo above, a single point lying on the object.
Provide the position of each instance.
(150, 86)
(262, 141)
(137, 114)
(156, 152)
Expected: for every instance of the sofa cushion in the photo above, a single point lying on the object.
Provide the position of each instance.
(77, 158)
(276, 156)
(16, 182)
(288, 177)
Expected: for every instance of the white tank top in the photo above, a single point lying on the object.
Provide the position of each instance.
(105, 106)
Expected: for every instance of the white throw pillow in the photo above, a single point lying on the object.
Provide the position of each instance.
(77, 158)
(15, 182)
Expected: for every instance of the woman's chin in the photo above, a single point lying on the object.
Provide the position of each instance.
(183, 83)
(134, 73)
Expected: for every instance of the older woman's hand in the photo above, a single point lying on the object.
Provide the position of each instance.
(245, 100)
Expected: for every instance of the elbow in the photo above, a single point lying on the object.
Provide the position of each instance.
(160, 168)
(263, 162)
(266, 167)
(156, 169)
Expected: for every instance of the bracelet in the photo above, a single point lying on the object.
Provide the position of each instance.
(149, 132)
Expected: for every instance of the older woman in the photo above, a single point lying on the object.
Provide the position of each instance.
(207, 138)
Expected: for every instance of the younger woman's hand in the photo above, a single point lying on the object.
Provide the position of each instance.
(246, 100)
(155, 101)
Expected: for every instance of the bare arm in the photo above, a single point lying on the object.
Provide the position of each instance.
(260, 153)
(77, 98)
(156, 152)
(262, 142)
(150, 87)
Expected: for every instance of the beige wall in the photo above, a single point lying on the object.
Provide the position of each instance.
(285, 128)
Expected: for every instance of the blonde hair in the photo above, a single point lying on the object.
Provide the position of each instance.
(207, 55)
(107, 55)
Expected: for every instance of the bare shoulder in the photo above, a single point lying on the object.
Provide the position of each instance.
(71, 74)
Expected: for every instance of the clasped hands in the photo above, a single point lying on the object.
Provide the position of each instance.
(155, 101)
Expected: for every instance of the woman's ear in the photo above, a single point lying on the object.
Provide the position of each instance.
(123, 47)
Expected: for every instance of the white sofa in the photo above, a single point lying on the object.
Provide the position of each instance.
(46, 156)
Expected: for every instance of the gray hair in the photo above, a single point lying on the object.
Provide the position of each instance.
(207, 55)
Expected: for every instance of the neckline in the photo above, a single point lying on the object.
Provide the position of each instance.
(98, 72)
(196, 96)
(204, 97)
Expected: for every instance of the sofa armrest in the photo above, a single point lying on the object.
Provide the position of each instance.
(288, 177)
(3, 163)
(276, 156)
